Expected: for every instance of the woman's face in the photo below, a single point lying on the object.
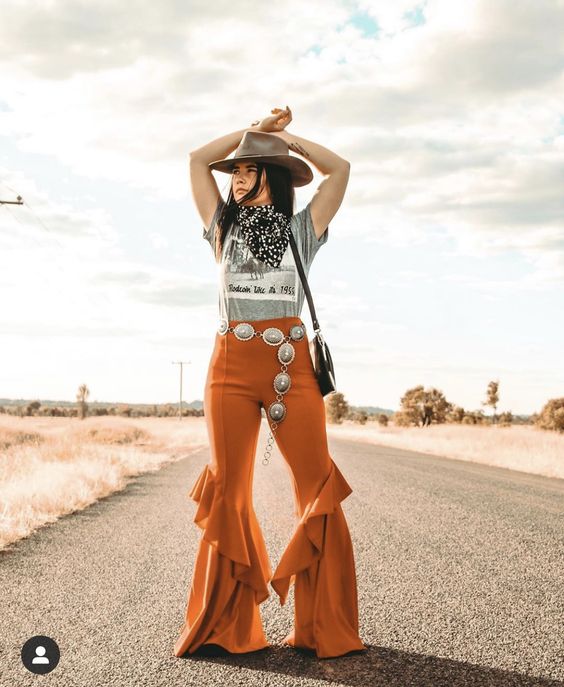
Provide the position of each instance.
(243, 179)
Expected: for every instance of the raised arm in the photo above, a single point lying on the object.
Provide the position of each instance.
(330, 192)
(204, 187)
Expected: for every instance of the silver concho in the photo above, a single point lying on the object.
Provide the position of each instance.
(286, 353)
(244, 331)
(223, 327)
(277, 411)
(297, 332)
(282, 382)
(273, 336)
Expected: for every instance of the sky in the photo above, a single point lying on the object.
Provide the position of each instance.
(445, 262)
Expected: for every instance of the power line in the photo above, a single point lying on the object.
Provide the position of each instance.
(54, 256)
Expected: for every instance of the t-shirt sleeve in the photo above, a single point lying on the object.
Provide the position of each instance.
(209, 232)
(310, 244)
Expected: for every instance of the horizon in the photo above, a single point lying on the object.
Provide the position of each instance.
(375, 408)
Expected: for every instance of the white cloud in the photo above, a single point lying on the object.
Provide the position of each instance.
(453, 126)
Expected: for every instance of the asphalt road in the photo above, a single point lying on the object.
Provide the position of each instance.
(460, 577)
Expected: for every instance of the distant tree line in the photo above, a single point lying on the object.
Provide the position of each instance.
(83, 409)
(419, 407)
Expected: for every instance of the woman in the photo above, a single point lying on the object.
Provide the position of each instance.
(260, 300)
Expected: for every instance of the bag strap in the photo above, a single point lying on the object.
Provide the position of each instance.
(303, 277)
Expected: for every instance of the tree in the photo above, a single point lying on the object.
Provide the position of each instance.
(506, 419)
(552, 415)
(360, 416)
(82, 395)
(31, 407)
(422, 407)
(493, 397)
(474, 417)
(456, 414)
(336, 407)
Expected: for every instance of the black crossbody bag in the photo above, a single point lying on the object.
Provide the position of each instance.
(322, 361)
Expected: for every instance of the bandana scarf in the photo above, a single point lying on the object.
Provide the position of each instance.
(266, 232)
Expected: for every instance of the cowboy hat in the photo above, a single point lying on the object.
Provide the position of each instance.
(260, 145)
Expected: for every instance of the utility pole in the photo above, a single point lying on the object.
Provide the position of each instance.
(181, 363)
(19, 201)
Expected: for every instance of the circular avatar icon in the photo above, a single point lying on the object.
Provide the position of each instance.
(40, 654)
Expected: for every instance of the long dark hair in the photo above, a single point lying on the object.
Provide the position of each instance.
(279, 180)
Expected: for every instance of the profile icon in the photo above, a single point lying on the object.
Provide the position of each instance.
(40, 657)
(40, 654)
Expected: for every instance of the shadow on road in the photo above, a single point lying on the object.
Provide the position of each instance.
(376, 667)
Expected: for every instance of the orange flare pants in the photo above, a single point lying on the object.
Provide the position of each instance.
(232, 570)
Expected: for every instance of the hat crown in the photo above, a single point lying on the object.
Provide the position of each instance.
(259, 143)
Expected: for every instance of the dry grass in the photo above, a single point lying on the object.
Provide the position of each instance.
(518, 447)
(52, 466)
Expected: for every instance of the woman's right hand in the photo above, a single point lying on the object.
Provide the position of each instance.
(277, 121)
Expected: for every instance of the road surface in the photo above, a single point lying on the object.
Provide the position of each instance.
(460, 579)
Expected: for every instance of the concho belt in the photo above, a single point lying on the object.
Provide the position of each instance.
(273, 336)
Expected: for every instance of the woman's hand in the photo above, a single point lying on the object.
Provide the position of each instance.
(277, 121)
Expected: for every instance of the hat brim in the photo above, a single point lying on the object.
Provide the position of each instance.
(301, 172)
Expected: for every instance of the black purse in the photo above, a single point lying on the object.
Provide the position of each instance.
(319, 351)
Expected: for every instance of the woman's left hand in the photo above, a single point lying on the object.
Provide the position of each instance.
(277, 121)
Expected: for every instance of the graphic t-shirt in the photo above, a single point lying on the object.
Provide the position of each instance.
(250, 289)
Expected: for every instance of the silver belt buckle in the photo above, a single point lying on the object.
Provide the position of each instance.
(297, 332)
(244, 331)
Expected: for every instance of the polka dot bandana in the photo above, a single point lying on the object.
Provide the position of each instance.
(266, 232)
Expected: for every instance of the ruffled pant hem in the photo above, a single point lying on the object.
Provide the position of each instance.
(232, 572)
(306, 545)
(319, 561)
(230, 578)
